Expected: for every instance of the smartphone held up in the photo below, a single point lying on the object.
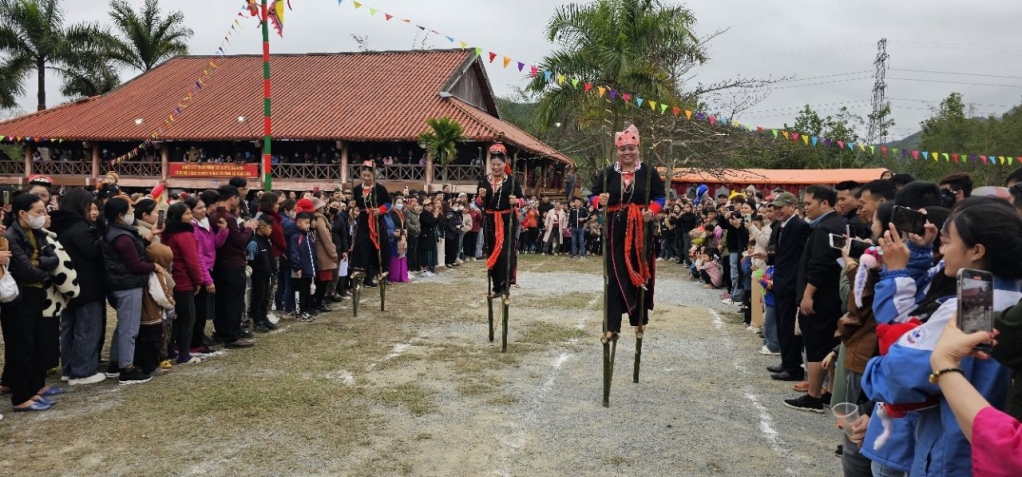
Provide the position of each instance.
(908, 221)
(976, 303)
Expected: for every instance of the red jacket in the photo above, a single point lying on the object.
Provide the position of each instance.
(277, 242)
(187, 272)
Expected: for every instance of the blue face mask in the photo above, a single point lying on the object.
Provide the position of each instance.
(399, 206)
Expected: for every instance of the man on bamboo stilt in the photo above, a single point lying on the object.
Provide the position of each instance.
(630, 261)
(367, 257)
(499, 193)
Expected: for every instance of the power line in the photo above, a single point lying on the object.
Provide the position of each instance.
(821, 77)
(959, 82)
(956, 74)
(812, 106)
(824, 82)
(793, 52)
(947, 46)
(931, 101)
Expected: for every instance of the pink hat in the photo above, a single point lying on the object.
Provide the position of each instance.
(304, 205)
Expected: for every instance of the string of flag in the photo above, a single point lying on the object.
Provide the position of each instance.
(563, 80)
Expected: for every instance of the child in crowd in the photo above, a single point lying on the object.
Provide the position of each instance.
(747, 278)
(711, 271)
(260, 258)
(771, 346)
(302, 251)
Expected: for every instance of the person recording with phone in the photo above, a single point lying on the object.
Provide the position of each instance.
(903, 376)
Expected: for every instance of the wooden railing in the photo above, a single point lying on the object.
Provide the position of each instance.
(136, 169)
(12, 168)
(307, 171)
(396, 172)
(459, 173)
(63, 168)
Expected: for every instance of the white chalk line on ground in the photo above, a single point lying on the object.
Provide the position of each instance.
(526, 420)
(766, 421)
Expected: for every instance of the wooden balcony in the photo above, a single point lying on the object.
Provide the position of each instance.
(306, 171)
(138, 169)
(61, 168)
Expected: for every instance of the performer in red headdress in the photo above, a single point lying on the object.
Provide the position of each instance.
(499, 194)
(629, 246)
(367, 256)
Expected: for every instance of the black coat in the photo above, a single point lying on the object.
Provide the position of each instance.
(340, 233)
(819, 266)
(788, 243)
(21, 266)
(82, 243)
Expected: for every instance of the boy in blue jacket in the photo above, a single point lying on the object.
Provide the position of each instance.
(302, 255)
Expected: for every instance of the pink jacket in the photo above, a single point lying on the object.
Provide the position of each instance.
(996, 444)
(208, 243)
(714, 270)
(548, 222)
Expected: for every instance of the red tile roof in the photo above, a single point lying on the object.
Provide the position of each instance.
(375, 96)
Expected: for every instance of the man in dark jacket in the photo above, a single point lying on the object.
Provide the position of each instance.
(818, 292)
(341, 235)
(83, 320)
(229, 270)
(787, 241)
(577, 218)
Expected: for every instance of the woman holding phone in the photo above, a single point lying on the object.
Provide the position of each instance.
(902, 376)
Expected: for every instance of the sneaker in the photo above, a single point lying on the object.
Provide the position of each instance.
(246, 335)
(95, 378)
(305, 318)
(65, 378)
(192, 360)
(132, 375)
(766, 351)
(201, 350)
(112, 371)
(805, 403)
(324, 308)
(840, 450)
(240, 344)
(754, 329)
(261, 328)
(272, 318)
(270, 325)
(826, 397)
(459, 261)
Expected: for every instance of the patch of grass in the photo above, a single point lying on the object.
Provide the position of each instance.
(471, 360)
(618, 461)
(570, 301)
(503, 399)
(474, 389)
(545, 333)
(398, 361)
(425, 436)
(417, 399)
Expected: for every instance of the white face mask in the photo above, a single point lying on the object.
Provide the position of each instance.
(400, 207)
(129, 219)
(36, 221)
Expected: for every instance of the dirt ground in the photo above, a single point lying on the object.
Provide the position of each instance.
(419, 390)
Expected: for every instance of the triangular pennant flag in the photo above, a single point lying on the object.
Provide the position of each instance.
(758, 128)
(601, 90)
(775, 133)
(533, 70)
(421, 27)
(841, 144)
(372, 11)
(926, 155)
(872, 149)
(449, 38)
(587, 87)
(851, 147)
(894, 151)
(722, 120)
(560, 79)
(652, 105)
(954, 157)
(547, 75)
(713, 120)
(946, 158)
(521, 66)
(613, 94)
(883, 150)
(915, 155)
(862, 147)
(389, 16)
(479, 51)
(676, 110)
(406, 20)
(815, 139)
(1001, 158)
(827, 142)
(663, 109)
(507, 61)
(936, 156)
(805, 139)
(492, 56)
(574, 82)
(638, 101)
(357, 4)
(984, 158)
(785, 134)
(626, 97)
(464, 45)
(794, 137)
(688, 114)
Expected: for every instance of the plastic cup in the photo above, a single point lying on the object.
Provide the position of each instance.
(846, 413)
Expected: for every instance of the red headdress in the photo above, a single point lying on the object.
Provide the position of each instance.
(499, 151)
(629, 136)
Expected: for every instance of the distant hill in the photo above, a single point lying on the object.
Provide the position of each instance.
(910, 142)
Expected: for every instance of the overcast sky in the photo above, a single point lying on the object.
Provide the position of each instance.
(805, 39)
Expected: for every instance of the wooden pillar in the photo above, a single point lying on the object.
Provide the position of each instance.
(165, 161)
(28, 160)
(344, 161)
(429, 172)
(95, 163)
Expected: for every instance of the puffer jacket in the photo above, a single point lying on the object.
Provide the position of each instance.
(208, 242)
(84, 246)
(187, 272)
(26, 271)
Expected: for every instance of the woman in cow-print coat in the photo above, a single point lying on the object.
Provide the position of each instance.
(24, 337)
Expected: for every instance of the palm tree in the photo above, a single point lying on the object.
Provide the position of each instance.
(146, 38)
(34, 38)
(442, 139)
(634, 46)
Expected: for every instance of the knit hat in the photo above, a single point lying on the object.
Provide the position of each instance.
(317, 203)
(304, 205)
